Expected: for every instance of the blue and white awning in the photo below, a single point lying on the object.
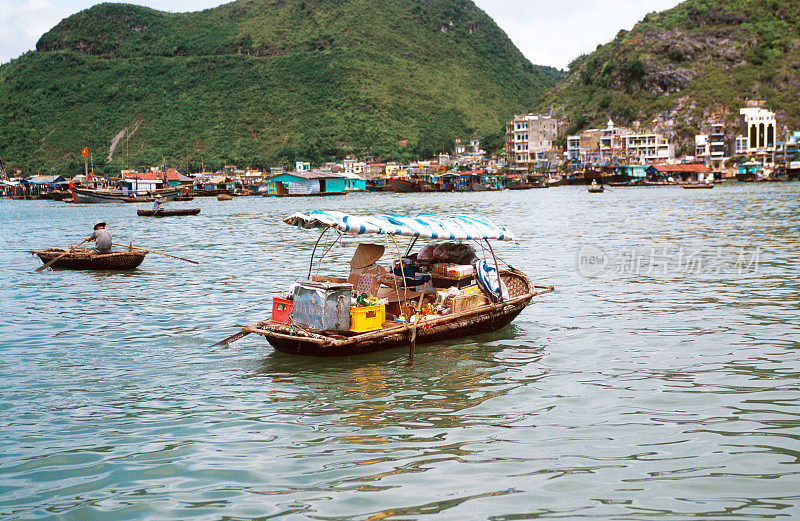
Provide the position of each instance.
(451, 227)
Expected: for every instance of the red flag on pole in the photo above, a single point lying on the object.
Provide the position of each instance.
(85, 152)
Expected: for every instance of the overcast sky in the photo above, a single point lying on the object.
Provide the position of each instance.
(548, 32)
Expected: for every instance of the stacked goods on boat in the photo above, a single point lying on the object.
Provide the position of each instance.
(329, 306)
(374, 309)
(439, 280)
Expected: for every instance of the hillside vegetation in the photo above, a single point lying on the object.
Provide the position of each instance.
(260, 82)
(684, 67)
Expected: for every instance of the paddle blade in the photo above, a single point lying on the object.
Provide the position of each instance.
(231, 339)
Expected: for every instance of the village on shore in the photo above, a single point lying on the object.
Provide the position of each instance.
(613, 155)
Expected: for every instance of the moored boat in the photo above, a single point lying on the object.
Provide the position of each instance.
(168, 212)
(88, 260)
(486, 305)
(696, 186)
(404, 185)
(93, 195)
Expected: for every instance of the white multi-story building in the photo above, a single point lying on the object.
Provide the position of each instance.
(648, 147)
(573, 148)
(528, 138)
(710, 148)
(758, 126)
(622, 144)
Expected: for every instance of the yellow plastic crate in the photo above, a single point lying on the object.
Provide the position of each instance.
(367, 318)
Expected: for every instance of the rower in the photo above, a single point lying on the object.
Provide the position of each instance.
(102, 236)
(158, 201)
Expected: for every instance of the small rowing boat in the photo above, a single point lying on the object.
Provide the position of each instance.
(88, 260)
(697, 186)
(596, 189)
(168, 212)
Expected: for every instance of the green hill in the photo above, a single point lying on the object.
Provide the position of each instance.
(257, 82)
(678, 69)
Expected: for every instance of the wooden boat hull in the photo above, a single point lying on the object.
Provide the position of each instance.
(184, 198)
(698, 186)
(401, 338)
(85, 195)
(86, 260)
(596, 190)
(404, 186)
(168, 212)
(485, 319)
(224, 197)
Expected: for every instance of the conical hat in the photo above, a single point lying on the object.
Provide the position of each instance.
(366, 255)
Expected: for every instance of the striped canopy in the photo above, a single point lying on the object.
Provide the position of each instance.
(449, 227)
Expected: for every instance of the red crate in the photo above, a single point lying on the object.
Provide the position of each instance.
(281, 309)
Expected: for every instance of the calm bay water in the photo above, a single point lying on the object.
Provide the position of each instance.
(665, 387)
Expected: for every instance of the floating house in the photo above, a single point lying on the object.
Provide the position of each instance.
(631, 173)
(148, 181)
(749, 171)
(314, 182)
(684, 173)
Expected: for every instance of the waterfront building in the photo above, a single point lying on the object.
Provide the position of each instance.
(647, 147)
(573, 148)
(710, 148)
(529, 138)
(757, 126)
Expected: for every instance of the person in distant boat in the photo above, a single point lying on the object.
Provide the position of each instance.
(102, 238)
(158, 201)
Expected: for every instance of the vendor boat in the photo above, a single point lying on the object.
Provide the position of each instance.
(88, 260)
(486, 307)
(168, 212)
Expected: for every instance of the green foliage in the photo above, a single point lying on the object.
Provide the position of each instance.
(703, 57)
(259, 83)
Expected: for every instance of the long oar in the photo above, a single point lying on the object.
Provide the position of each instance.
(156, 252)
(413, 341)
(47, 265)
(233, 338)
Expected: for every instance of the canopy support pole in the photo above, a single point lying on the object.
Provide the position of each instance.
(411, 246)
(311, 264)
(496, 267)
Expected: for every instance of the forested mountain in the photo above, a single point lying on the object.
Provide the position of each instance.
(258, 82)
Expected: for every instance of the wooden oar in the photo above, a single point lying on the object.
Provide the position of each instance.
(156, 252)
(50, 262)
(233, 338)
(417, 316)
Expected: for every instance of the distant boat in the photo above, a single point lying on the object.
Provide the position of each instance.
(696, 186)
(596, 189)
(95, 195)
(404, 185)
(168, 212)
